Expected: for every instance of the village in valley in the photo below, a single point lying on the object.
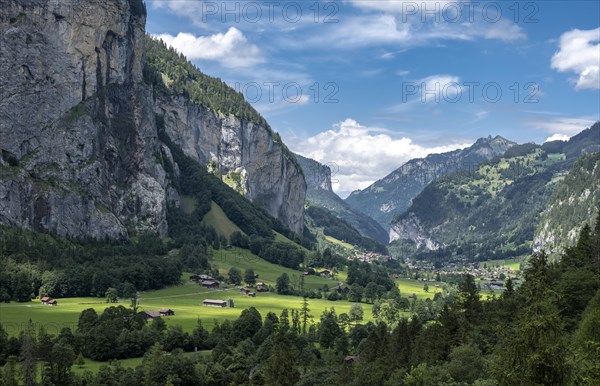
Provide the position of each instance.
(490, 275)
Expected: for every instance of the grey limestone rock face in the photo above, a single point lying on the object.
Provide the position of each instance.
(80, 154)
(269, 177)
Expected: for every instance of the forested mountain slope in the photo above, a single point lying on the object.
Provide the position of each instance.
(394, 193)
(493, 211)
(320, 194)
(575, 202)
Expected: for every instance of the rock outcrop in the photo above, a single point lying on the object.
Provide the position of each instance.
(243, 151)
(79, 150)
(410, 228)
(320, 194)
(77, 132)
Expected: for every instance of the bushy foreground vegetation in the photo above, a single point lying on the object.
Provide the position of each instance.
(544, 332)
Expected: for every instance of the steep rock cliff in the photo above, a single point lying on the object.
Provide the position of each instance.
(240, 148)
(321, 194)
(410, 228)
(79, 150)
(574, 203)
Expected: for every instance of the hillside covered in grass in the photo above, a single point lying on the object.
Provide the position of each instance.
(492, 211)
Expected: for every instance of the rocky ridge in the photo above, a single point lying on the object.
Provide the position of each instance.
(80, 154)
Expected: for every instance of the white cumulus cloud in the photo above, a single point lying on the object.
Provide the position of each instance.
(579, 52)
(557, 137)
(230, 49)
(562, 128)
(360, 155)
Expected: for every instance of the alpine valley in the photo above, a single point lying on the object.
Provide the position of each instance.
(155, 230)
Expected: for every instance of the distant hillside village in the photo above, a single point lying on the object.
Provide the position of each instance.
(492, 275)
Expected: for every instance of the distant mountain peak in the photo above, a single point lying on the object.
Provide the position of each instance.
(394, 193)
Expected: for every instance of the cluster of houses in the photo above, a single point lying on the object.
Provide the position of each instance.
(47, 300)
(205, 281)
(492, 277)
(369, 257)
(495, 286)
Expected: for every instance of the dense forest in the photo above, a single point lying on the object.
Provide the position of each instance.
(543, 332)
(171, 74)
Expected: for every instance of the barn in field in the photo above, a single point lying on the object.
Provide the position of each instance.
(214, 303)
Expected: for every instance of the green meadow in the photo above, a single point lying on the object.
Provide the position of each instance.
(339, 242)
(94, 366)
(410, 286)
(217, 219)
(514, 264)
(267, 272)
(184, 299)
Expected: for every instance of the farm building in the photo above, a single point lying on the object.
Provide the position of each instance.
(247, 291)
(341, 288)
(209, 283)
(261, 287)
(47, 300)
(214, 303)
(149, 315)
(199, 278)
(166, 312)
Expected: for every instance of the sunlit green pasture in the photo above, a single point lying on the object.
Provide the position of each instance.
(267, 272)
(410, 286)
(185, 300)
(513, 264)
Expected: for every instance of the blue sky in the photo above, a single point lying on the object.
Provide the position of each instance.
(367, 85)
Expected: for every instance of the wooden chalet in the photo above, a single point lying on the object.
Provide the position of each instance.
(262, 287)
(209, 283)
(214, 303)
(201, 277)
(247, 291)
(150, 314)
(166, 312)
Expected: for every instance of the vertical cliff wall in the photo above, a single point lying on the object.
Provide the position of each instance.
(79, 150)
(243, 151)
